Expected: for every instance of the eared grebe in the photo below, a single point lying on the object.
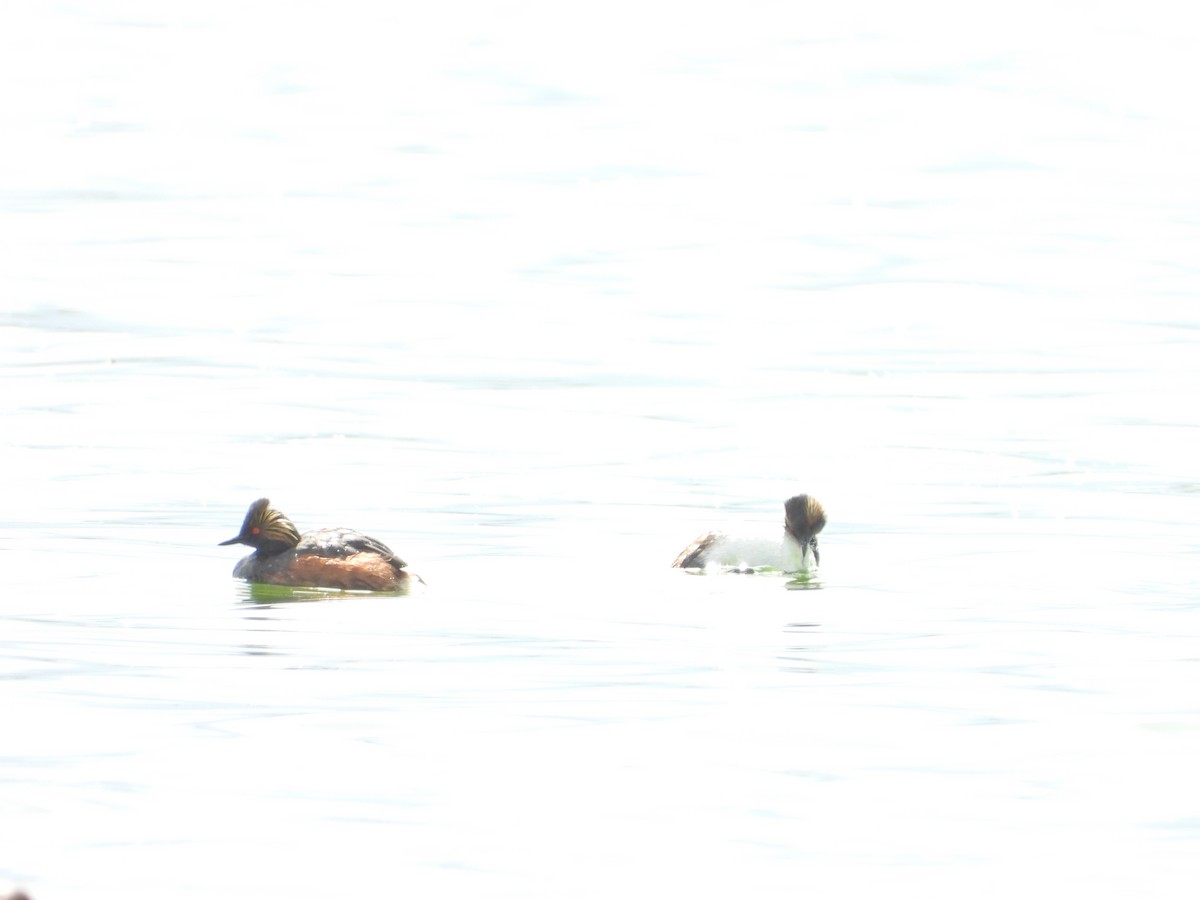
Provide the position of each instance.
(803, 518)
(325, 558)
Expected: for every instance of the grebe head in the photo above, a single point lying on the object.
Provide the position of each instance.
(803, 518)
(266, 530)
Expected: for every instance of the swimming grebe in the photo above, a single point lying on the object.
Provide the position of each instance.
(326, 558)
(803, 518)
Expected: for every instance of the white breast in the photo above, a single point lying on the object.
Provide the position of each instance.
(784, 553)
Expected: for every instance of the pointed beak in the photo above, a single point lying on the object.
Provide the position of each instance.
(232, 540)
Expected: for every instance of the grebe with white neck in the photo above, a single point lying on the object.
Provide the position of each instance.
(795, 551)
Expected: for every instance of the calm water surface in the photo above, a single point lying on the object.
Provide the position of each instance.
(535, 297)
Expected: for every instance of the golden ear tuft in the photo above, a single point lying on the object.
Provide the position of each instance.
(804, 515)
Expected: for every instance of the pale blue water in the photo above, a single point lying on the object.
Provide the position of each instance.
(535, 294)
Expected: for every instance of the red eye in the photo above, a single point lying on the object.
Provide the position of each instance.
(254, 530)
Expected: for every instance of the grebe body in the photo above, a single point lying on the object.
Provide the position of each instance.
(803, 519)
(326, 558)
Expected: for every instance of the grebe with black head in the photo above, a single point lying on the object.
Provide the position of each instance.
(803, 519)
(325, 558)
